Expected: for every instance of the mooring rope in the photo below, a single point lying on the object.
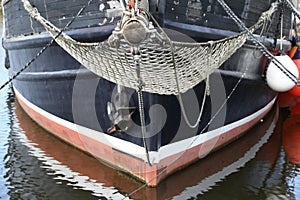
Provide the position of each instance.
(13, 77)
(212, 118)
(26, 65)
(263, 18)
(195, 139)
(259, 45)
(291, 7)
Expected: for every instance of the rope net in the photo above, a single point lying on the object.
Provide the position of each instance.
(170, 68)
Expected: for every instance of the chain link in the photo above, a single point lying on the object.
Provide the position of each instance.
(45, 47)
(141, 105)
(291, 7)
(259, 45)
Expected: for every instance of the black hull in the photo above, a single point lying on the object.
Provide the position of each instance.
(60, 90)
(49, 84)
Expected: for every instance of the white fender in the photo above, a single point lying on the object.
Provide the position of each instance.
(276, 79)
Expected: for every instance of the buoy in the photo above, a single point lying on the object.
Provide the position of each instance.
(296, 89)
(276, 79)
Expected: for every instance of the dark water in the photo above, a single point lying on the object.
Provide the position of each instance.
(263, 164)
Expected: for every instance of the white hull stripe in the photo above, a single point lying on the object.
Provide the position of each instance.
(207, 183)
(180, 146)
(136, 150)
(116, 143)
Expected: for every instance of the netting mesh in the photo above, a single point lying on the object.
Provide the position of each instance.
(165, 69)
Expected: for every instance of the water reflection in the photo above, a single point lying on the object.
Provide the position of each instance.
(59, 169)
(291, 135)
(263, 164)
(36, 165)
(291, 145)
(5, 126)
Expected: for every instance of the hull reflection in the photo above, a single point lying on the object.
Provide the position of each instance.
(291, 135)
(82, 171)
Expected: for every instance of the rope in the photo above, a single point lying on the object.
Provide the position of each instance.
(182, 107)
(45, 47)
(114, 62)
(260, 46)
(281, 29)
(179, 96)
(201, 132)
(291, 7)
(196, 138)
(27, 65)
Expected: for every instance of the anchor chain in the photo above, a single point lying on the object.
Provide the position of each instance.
(27, 64)
(141, 101)
(259, 45)
(135, 27)
(291, 7)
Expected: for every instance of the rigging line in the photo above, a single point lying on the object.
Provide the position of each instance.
(179, 93)
(281, 29)
(291, 7)
(201, 132)
(45, 47)
(179, 96)
(197, 136)
(194, 140)
(261, 47)
(26, 65)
